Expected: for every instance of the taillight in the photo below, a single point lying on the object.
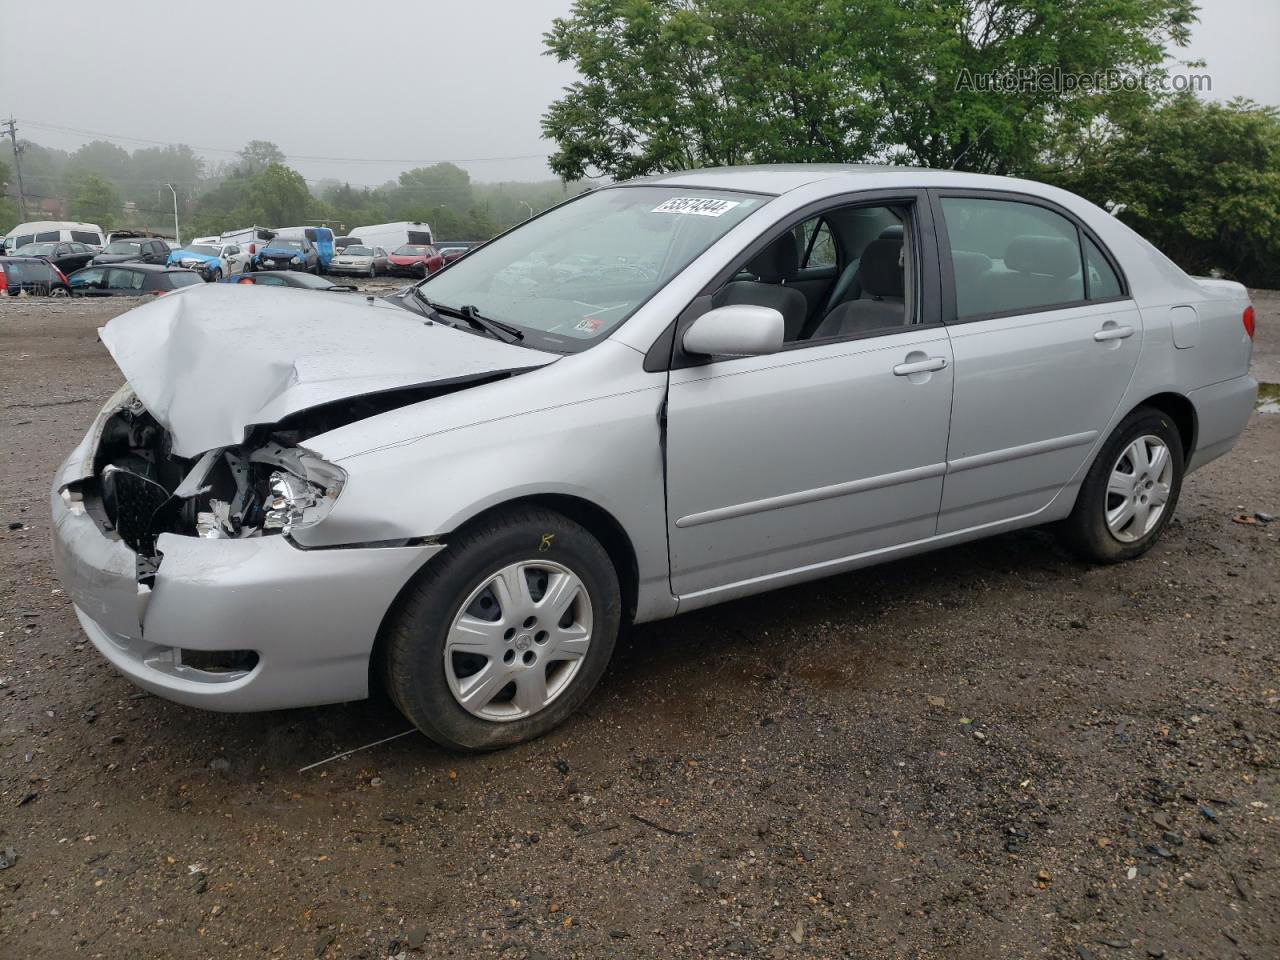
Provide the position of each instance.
(4, 280)
(61, 276)
(253, 248)
(1250, 320)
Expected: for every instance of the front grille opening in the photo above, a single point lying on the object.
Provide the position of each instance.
(219, 661)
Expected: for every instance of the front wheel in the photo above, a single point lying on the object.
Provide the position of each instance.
(216, 276)
(1130, 492)
(505, 633)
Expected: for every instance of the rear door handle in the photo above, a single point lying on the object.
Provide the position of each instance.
(1113, 333)
(920, 366)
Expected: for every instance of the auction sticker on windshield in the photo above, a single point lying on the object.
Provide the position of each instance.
(696, 206)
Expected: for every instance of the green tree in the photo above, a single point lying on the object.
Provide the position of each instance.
(278, 196)
(8, 208)
(441, 185)
(102, 158)
(670, 84)
(1199, 180)
(92, 198)
(256, 156)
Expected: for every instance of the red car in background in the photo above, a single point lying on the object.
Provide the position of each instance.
(414, 260)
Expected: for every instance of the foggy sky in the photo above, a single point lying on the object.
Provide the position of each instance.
(405, 82)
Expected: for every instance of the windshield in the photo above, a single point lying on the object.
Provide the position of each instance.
(574, 274)
(355, 251)
(123, 246)
(411, 250)
(280, 243)
(36, 250)
(203, 249)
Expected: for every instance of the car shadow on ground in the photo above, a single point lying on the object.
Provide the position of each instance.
(676, 661)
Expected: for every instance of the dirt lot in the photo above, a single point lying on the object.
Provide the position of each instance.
(990, 752)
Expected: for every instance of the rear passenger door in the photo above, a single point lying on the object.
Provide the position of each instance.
(1044, 349)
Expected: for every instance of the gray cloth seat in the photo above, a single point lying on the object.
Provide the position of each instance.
(774, 266)
(847, 286)
(881, 276)
(1039, 271)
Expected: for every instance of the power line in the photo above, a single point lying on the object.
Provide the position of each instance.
(288, 156)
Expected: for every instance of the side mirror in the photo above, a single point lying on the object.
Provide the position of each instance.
(737, 330)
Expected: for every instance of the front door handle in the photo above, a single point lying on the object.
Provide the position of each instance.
(1113, 332)
(928, 365)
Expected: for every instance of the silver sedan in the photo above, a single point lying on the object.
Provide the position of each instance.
(464, 491)
(361, 260)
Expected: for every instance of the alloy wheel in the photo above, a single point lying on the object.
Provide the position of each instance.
(1138, 489)
(519, 640)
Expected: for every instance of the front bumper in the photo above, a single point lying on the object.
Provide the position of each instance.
(309, 616)
(348, 268)
(407, 269)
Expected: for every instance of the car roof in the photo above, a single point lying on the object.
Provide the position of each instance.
(4, 260)
(145, 267)
(777, 179)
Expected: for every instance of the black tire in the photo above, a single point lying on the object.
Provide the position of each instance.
(1085, 532)
(216, 276)
(413, 646)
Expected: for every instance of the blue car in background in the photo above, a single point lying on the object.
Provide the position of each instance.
(283, 252)
(319, 237)
(213, 259)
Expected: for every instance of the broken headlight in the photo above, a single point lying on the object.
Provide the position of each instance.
(294, 502)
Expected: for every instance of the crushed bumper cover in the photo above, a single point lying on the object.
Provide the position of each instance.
(310, 616)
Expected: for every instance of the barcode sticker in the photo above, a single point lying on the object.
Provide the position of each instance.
(696, 206)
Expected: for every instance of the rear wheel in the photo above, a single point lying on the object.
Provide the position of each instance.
(1130, 492)
(505, 633)
(58, 292)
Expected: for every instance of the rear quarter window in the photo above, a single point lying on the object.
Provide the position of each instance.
(84, 236)
(171, 281)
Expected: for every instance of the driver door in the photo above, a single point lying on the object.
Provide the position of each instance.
(790, 466)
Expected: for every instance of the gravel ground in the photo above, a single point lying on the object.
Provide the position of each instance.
(990, 752)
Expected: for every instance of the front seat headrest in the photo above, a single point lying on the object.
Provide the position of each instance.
(1048, 256)
(776, 262)
(892, 233)
(881, 268)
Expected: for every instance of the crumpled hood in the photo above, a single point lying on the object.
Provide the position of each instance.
(213, 361)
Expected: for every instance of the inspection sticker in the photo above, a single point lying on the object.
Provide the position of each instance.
(696, 206)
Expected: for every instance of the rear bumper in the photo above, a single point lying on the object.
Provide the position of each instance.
(309, 617)
(1222, 412)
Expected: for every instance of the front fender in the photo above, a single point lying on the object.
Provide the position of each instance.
(605, 450)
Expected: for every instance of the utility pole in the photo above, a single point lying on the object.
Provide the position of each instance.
(12, 130)
(177, 237)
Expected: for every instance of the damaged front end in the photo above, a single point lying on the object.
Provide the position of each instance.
(139, 489)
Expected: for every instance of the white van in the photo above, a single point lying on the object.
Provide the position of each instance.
(55, 231)
(392, 235)
(248, 239)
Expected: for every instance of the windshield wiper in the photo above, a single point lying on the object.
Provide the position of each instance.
(495, 328)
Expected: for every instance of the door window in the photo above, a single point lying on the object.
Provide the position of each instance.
(868, 292)
(1011, 257)
(50, 236)
(125, 279)
(1103, 282)
(91, 279)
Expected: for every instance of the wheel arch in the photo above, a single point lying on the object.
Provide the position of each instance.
(599, 521)
(1182, 411)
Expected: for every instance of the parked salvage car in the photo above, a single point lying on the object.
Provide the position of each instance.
(466, 489)
(414, 260)
(134, 250)
(456, 251)
(31, 275)
(362, 260)
(130, 280)
(212, 261)
(286, 278)
(287, 253)
(67, 257)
